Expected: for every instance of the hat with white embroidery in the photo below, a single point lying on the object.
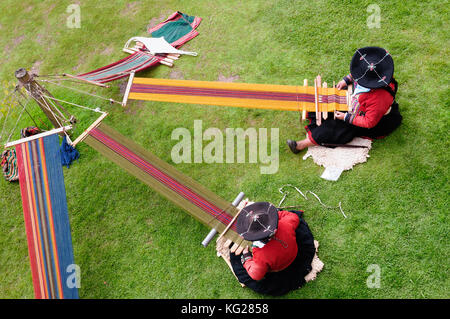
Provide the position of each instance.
(257, 221)
(372, 67)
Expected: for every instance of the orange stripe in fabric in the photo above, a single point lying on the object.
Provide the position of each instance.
(46, 193)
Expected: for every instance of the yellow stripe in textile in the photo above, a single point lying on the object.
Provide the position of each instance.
(222, 101)
(260, 103)
(224, 85)
(33, 218)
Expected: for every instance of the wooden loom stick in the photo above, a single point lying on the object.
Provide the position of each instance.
(325, 113)
(128, 51)
(228, 243)
(127, 90)
(131, 50)
(213, 231)
(229, 225)
(234, 248)
(239, 250)
(90, 128)
(317, 84)
(305, 84)
(169, 60)
(165, 61)
(37, 136)
(334, 108)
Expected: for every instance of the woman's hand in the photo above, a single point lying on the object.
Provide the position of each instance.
(340, 115)
(341, 85)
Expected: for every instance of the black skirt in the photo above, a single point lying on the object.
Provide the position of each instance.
(339, 132)
(291, 278)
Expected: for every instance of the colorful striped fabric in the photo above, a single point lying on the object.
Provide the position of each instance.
(9, 165)
(263, 96)
(177, 29)
(200, 202)
(46, 218)
(136, 62)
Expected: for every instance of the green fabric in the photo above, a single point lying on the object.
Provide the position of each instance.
(174, 30)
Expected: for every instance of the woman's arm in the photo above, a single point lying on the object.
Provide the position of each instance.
(348, 79)
(255, 270)
(372, 106)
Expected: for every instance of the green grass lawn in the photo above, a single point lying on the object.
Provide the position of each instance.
(132, 243)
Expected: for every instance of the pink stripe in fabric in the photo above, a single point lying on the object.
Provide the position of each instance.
(168, 181)
(158, 26)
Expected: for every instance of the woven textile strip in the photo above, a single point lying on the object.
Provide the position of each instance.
(136, 62)
(200, 202)
(46, 218)
(177, 29)
(263, 96)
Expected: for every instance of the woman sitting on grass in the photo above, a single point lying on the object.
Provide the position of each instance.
(282, 250)
(375, 113)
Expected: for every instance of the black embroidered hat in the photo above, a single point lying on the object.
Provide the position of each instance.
(257, 221)
(372, 67)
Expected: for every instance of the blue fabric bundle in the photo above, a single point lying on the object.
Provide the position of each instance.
(68, 153)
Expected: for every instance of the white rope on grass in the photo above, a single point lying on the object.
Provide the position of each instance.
(285, 194)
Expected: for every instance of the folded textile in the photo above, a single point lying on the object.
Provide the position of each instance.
(177, 29)
(8, 162)
(158, 45)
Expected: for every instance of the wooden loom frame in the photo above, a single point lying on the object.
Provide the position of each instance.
(90, 128)
(37, 136)
(59, 130)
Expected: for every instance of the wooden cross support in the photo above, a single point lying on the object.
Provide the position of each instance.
(51, 108)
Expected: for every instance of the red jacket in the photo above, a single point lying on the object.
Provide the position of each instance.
(368, 108)
(279, 252)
